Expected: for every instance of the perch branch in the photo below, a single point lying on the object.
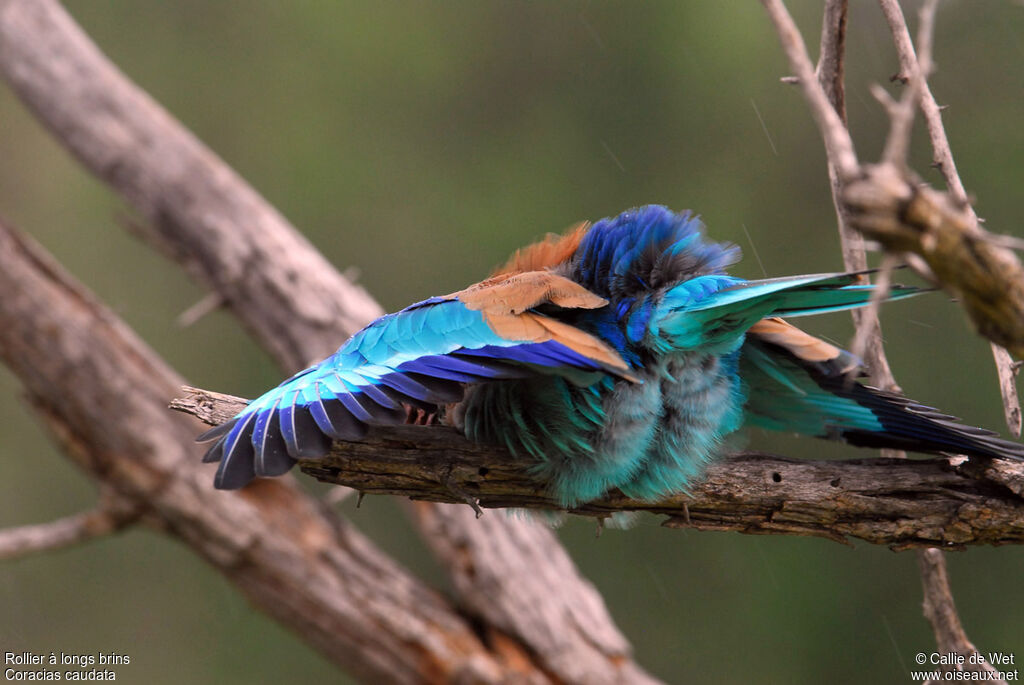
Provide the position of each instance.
(896, 502)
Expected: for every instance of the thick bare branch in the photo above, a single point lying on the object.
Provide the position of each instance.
(479, 566)
(200, 213)
(196, 208)
(903, 503)
(104, 394)
(833, 130)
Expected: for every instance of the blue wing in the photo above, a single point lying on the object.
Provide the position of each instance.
(422, 355)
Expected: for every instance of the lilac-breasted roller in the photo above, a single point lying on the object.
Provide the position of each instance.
(618, 355)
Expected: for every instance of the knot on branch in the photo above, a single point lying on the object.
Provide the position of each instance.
(895, 208)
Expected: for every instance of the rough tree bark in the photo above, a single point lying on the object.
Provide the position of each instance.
(902, 503)
(104, 393)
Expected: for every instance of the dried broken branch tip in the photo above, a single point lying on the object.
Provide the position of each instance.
(207, 305)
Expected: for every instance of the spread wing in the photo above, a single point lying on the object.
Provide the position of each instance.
(422, 355)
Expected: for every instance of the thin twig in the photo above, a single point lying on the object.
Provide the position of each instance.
(833, 131)
(916, 71)
(868, 338)
(940, 610)
(208, 304)
(1010, 242)
(1007, 370)
(108, 517)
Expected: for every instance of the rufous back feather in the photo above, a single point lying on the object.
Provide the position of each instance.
(550, 252)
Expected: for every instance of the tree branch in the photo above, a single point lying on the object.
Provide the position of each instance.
(939, 608)
(200, 213)
(290, 557)
(1007, 372)
(109, 517)
(833, 130)
(196, 208)
(943, 155)
(889, 204)
(479, 564)
(901, 503)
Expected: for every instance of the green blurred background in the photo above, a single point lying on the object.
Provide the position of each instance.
(419, 143)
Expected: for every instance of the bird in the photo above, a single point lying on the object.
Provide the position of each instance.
(618, 355)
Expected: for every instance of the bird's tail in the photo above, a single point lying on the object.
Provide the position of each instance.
(798, 383)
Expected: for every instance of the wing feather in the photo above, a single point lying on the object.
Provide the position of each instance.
(796, 382)
(422, 356)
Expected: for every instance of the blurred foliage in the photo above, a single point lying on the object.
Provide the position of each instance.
(420, 143)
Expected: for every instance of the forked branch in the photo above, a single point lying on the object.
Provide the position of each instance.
(888, 203)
